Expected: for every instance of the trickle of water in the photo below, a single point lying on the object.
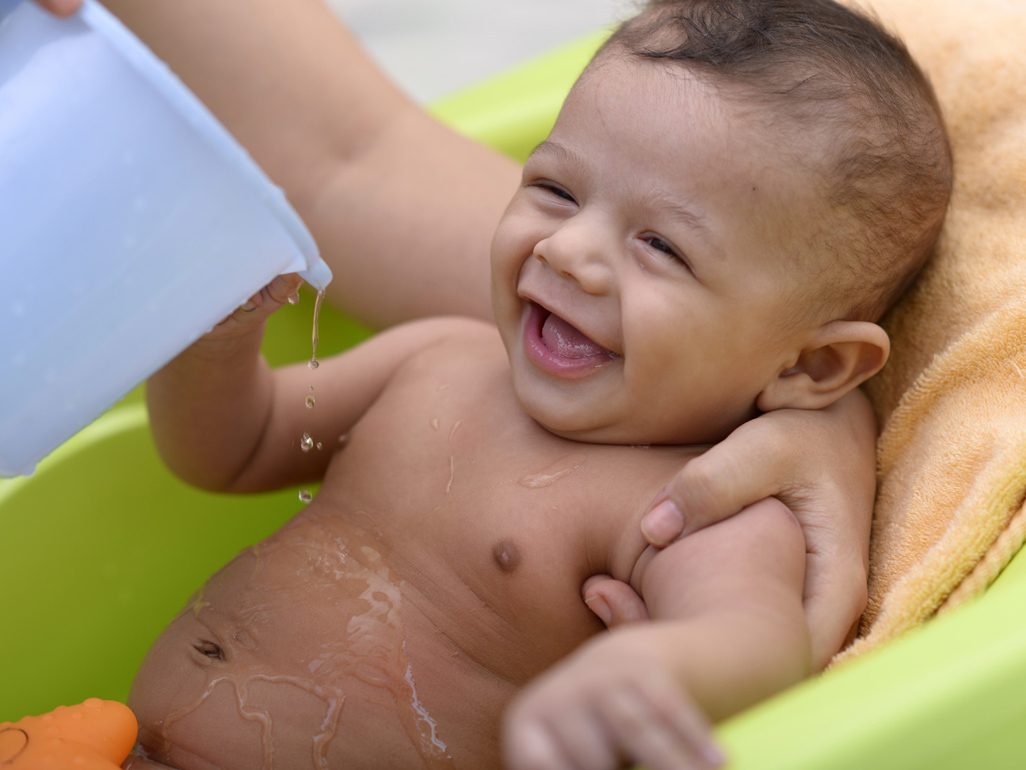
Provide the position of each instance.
(306, 443)
(452, 473)
(310, 402)
(305, 496)
(562, 467)
(314, 363)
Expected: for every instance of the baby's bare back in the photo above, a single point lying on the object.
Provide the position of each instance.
(437, 571)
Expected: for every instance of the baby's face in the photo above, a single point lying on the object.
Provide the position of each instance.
(643, 270)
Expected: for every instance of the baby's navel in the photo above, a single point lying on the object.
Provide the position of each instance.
(507, 556)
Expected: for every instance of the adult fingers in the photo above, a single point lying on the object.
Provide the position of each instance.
(835, 597)
(60, 7)
(747, 466)
(615, 602)
(285, 288)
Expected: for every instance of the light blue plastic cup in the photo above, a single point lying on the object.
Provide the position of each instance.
(131, 222)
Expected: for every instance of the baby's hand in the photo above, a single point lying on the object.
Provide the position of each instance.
(607, 704)
(258, 308)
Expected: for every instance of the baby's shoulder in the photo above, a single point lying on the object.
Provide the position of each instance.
(442, 330)
(443, 340)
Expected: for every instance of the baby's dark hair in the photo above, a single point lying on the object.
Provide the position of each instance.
(828, 68)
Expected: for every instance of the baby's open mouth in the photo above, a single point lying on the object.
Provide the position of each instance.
(568, 341)
(559, 347)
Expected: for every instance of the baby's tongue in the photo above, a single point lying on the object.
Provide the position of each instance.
(565, 340)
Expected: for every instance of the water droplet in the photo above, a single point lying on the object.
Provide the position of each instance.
(313, 363)
(305, 496)
(319, 446)
(306, 444)
(311, 388)
(294, 299)
(310, 402)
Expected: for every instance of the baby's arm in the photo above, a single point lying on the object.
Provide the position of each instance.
(224, 420)
(728, 631)
(822, 465)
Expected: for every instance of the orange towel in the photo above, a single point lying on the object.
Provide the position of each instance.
(952, 400)
(95, 735)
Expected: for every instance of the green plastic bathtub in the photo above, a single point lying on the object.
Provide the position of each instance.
(101, 546)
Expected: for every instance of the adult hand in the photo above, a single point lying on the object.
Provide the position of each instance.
(822, 465)
(258, 308)
(60, 7)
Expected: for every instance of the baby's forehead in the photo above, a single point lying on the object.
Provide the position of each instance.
(774, 125)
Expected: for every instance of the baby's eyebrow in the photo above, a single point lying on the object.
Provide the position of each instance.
(677, 209)
(565, 154)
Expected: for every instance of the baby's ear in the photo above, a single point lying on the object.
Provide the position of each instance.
(841, 356)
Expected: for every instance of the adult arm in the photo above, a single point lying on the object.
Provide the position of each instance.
(402, 208)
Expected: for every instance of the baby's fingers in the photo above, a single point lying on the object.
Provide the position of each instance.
(656, 730)
(576, 741)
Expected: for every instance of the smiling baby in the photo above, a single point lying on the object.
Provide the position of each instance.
(734, 191)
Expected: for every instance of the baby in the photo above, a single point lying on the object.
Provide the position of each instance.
(733, 192)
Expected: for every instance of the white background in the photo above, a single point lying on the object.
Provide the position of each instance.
(431, 47)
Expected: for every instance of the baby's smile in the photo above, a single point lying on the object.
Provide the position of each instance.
(556, 346)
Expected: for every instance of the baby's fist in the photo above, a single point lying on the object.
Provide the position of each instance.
(604, 706)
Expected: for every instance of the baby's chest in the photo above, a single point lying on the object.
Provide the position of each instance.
(489, 509)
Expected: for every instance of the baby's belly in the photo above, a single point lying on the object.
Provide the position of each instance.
(330, 657)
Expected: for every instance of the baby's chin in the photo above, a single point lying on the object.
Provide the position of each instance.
(589, 428)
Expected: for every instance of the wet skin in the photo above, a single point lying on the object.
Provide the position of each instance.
(389, 623)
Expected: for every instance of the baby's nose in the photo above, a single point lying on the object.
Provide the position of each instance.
(578, 256)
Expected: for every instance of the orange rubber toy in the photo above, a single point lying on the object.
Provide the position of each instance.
(95, 735)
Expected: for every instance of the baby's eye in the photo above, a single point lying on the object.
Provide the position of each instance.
(556, 190)
(210, 649)
(667, 248)
(660, 245)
